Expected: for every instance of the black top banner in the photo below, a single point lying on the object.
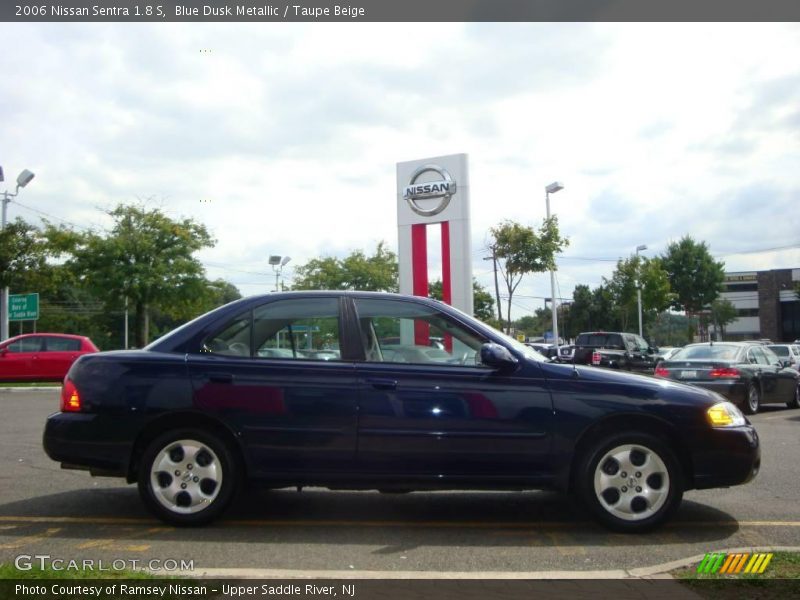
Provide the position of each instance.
(398, 10)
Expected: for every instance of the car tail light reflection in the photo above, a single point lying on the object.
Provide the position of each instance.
(596, 358)
(661, 372)
(725, 373)
(70, 399)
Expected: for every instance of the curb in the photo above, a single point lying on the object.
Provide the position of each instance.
(660, 571)
(30, 389)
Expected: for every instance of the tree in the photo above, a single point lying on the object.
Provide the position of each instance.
(482, 302)
(146, 259)
(521, 250)
(654, 282)
(695, 277)
(723, 312)
(580, 311)
(357, 271)
(23, 250)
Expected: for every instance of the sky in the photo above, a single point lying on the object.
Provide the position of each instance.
(283, 138)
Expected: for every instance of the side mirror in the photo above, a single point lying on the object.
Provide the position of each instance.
(653, 349)
(497, 357)
(786, 363)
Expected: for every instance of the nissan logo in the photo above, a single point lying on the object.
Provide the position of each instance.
(444, 188)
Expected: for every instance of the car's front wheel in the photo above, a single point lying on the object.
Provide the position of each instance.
(631, 482)
(187, 476)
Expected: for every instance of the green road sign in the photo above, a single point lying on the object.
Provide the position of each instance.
(23, 307)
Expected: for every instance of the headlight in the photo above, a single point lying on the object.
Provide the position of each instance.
(725, 414)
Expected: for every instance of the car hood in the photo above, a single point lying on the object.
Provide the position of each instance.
(644, 388)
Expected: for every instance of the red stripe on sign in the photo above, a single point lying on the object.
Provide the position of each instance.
(419, 270)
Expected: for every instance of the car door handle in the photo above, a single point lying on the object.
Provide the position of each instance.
(383, 384)
(220, 377)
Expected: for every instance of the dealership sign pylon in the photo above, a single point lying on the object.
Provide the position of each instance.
(435, 191)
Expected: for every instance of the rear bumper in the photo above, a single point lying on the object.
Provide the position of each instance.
(80, 440)
(733, 390)
(726, 457)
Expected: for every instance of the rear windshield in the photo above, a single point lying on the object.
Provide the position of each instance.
(606, 340)
(780, 350)
(715, 352)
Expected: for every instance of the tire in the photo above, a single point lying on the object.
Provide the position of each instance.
(647, 495)
(753, 400)
(187, 477)
(795, 402)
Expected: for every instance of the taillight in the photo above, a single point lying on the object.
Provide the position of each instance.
(596, 358)
(70, 399)
(725, 373)
(661, 372)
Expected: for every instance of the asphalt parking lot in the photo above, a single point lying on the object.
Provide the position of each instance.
(72, 516)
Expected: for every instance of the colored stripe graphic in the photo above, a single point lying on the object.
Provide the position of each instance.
(734, 564)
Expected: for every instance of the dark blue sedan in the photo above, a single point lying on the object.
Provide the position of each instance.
(345, 390)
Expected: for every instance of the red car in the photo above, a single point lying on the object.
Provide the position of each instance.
(41, 356)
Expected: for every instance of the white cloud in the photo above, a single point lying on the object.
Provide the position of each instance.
(290, 133)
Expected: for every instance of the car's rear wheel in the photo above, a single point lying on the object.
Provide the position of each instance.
(631, 482)
(187, 476)
(795, 401)
(753, 402)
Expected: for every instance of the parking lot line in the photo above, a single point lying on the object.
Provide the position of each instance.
(31, 539)
(357, 523)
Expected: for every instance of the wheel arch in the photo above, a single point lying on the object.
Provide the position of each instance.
(183, 420)
(632, 423)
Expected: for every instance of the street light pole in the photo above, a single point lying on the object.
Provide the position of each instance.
(552, 189)
(278, 262)
(23, 179)
(639, 285)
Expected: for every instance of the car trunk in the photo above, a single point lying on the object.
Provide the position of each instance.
(696, 370)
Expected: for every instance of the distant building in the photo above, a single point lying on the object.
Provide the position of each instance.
(766, 303)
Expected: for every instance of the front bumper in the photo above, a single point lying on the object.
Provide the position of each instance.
(726, 457)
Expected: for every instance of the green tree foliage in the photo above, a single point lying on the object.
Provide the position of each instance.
(654, 282)
(146, 258)
(357, 271)
(723, 312)
(671, 329)
(694, 276)
(22, 250)
(482, 301)
(580, 311)
(521, 250)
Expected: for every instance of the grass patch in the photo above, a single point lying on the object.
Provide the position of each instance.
(31, 384)
(9, 571)
(781, 579)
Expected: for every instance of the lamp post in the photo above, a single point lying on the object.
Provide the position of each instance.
(23, 179)
(552, 189)
(278, 262)
(639, 285)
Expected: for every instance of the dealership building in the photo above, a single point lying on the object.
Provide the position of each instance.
(766, 303)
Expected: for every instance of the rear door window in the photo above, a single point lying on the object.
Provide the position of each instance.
(59, 344)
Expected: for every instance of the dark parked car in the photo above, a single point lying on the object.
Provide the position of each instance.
(41, 356)
(213, 403)
(747, 373)
(614, 350)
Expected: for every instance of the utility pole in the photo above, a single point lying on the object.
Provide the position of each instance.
(23, 179)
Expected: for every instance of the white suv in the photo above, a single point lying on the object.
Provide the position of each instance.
(790, 352)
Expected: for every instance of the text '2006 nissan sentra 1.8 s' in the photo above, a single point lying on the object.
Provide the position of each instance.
(361, 390)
